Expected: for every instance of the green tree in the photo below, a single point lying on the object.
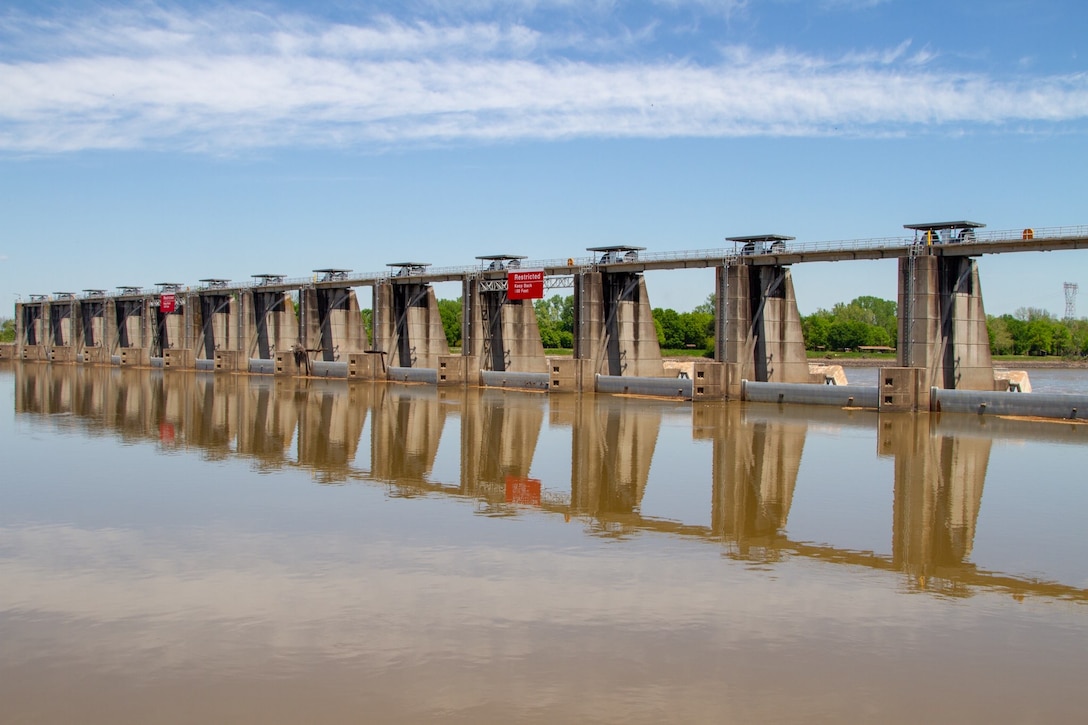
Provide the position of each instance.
(450, 312)
(872, 311)
(368, 324)
(677, 330)
(671, 333)
(847, 334)
(555, 319)
(1078, 330)
(1001, 341)
(1063, 339)
(702, 328)
(815, 327)
(708, 306)
(7, 330)
(885, 315)
(1040, 336)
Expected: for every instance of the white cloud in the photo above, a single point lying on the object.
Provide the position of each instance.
(238, 79)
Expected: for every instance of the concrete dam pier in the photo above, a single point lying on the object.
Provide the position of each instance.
(313, 326)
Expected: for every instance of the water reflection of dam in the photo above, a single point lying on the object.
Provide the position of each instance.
(940, 464)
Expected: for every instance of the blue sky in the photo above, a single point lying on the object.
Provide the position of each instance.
(145, 142)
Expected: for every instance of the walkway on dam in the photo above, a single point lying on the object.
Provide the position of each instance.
(1047, 239)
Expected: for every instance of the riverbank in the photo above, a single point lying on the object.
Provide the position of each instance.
(1009, 363)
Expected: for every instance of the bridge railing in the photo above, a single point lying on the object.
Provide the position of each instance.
(847, 245)
(724, 254)
(1036, 234)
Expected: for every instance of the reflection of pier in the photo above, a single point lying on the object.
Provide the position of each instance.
(268, 417)
(330, 423)
(499, 433)
(406, 429)
(940, 464)
(612, 444)
(755, 473)
(938, 491)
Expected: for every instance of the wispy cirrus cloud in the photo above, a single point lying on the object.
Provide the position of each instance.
(229, 80)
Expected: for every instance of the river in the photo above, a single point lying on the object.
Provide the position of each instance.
(183, 547)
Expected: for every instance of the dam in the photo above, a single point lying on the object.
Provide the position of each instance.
(313, 327)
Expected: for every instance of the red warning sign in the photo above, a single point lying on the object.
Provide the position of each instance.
(167, 303)
(525, 285)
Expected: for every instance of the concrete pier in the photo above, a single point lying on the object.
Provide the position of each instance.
(942, 323)
(94, 309)
(759, 325)
(332, 324)
(407, 323)
(171, 327)
(214, 325)
(269, 323)
(31, 333)
(614, 326)
(63, 314)
(130, 327)
(498, 332)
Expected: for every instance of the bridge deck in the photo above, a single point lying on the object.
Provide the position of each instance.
(994, 242)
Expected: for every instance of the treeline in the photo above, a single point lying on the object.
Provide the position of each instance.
(863, 322)
(675, 330)
(1032, 331)
(870, 321)
(555, 319)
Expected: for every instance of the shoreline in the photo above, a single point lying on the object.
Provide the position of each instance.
(876, 362)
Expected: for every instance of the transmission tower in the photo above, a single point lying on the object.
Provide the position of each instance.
(1070, 300)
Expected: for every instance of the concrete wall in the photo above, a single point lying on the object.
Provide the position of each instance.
(613, 325)
(942, 323)
(408, 326)
(501, 334)
(903, 390)
(761, 337)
